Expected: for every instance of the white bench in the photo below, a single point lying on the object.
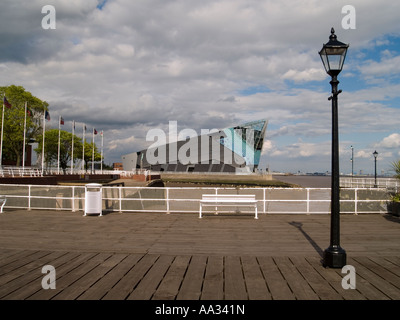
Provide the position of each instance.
(3, 201)
(217, 200)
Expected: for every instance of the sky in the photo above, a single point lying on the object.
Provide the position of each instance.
(126, 67)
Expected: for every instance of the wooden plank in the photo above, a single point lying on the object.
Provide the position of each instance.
(335, 280)
(65, 275)
(170, 284)
(255, 283)
(319, 284)
(129, 281)
(379, 277)
(32, 281)
(10, 270)
(26, 274)
(364, 284)
(8, 254)
(22, 266)
(148, 285)
(235, 288)
(102, 264)
(298, 285)
(213, 285)
(384, 262)
(278, 286)
(101, 287)
(193, 280)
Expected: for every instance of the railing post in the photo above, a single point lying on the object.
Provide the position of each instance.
(355, 202)
(167, 200)
(29, 197)
(308, 201)
(264, 199)
(73, 199)
(120, 199)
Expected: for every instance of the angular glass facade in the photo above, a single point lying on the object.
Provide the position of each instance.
(246, 140)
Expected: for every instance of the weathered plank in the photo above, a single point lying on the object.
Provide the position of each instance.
(31, 282)
(365, 269)
(278, 286)
(65, 275)
(365, 282)
(235, 287)
(129, 281)
(101, 287)
(333, 277)
(213, 285)
(148, 285)
(170, 284)
(193, 281)
(319, 284)
(97, 272)
(255, 283)
(296, 282)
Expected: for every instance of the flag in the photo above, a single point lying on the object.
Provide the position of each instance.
(6, 103)
(101, 133)
(61, 121)
(47, 115)
(94, 131)
(28, 112)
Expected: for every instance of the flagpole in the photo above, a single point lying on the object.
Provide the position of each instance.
(72, 152)
(101, 163)
(58, 155)
(93, 151)
(44, 126)
(23, 148)
(83, 148)
(2, 125)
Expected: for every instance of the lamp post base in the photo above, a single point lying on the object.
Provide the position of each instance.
(334, 257)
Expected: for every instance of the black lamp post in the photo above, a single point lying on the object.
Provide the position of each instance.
(332, 55)
(352, 163)
(375, 156)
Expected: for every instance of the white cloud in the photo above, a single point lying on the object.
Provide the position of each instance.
(391, 141)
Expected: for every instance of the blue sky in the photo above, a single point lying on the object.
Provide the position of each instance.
(126, 67)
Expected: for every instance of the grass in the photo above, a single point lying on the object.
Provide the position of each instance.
(224, 180)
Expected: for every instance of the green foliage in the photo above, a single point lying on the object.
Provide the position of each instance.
(13, 128)
(396, 197)
(51, 147)
(396, 168)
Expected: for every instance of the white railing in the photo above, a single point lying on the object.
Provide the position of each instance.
(364, 182)
(187, 200)
(13, 171)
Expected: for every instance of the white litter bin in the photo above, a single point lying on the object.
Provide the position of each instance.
(93, 199)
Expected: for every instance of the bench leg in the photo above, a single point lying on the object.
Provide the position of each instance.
(2, 205)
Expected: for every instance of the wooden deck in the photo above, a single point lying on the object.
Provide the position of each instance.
(180, 257)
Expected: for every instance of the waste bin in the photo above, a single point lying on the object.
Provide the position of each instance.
(93, 199)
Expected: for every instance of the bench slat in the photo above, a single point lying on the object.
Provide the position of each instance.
(228, 200)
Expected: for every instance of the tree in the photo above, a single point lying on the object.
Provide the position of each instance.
(89, 153)
(51, 147)
(13, 128)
